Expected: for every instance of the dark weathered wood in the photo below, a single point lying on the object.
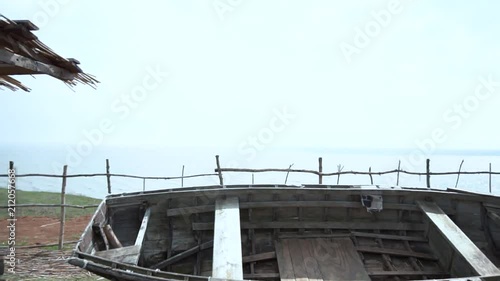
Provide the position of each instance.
(110, 234)
(284, 260)
(310, 261)
(260, 276)
(125, 254)
(321, 225)
(428, 172)
(299, 267)
(338, 260)
(104, 238)
(63, 209)
(259, 257)
(288, 204)
(137, 273)
(494, 216)
(407, 273)
(108, 176)
(389, 236)
(395, 252)
(312, 235)
(386, 259)
(183, 255)
(34, 66)
(320, 170)
(458, 240)
(219, 170)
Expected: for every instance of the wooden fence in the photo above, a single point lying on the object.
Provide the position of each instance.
(218, 172)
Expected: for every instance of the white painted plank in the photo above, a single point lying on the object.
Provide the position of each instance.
(144, 227)
(458, 240)
(227, 257)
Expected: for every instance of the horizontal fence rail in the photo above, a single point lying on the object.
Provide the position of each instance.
(106, 175)
(351, 172)
(218, 172)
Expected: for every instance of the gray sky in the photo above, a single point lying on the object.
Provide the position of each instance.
(354, 74)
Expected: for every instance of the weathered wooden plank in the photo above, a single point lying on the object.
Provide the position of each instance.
(125, 254)
(227, 258)
(407, 273)
(143, 228)
(182, 255)
(259, 257)
(310, 262)
(38, 67)
(287, 204)
(494, 216)
(338, 260)
(389, 236)
(321, 225)
(312, 235)
(284, 261)
(458, 240)
(260, 276)
(299, 267)
(395, 252)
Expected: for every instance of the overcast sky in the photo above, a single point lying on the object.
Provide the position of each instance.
(336, 74)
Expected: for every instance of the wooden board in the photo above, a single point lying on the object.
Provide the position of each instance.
(125, 254)
(227, 255)
(319, 259)
(458, 240)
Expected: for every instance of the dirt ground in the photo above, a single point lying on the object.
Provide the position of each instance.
(44, 263)
(44, 230)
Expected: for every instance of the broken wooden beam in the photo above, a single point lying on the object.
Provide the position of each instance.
(25, 63)
(259, 257)
(182, 255)
(287, 204)
(389, 236)
(125, 254)
(395, 252)
(458, 240)
(227, 254)
(112, 239)
(320, 225)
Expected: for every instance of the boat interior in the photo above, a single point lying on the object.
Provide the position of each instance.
(273, 232)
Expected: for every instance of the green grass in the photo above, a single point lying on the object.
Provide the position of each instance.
(41, 197)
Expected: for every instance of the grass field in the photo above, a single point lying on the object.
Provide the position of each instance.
(36, 197)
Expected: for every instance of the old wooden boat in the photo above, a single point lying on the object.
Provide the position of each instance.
(310, 232)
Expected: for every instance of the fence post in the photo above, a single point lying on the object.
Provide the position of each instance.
(371, 177)
(108, 176)
(182, 177)
(428, 163)
(219, 170)
(458, 175)
(399, 169)
(490, 179)
(320, 160)
(11, 167)
(63, 209)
